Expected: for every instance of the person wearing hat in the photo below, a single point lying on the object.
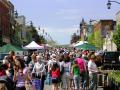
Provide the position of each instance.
(92, 69)
(51, 61)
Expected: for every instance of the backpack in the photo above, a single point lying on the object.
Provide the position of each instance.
(81, 64)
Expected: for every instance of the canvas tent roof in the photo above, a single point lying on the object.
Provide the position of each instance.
(33, 45)
(86, 46)
(80, 43)
(8, 47)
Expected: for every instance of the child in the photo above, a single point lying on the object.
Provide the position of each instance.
(76, 75)
(36, 82)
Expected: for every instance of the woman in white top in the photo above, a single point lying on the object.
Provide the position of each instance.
(92, 68)
(66, 74)
(39, 70)
(51, 61)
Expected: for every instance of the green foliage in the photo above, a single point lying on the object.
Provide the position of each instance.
(17, 39)
(17, 36)
(74, 38)
(42, 40)
(33, 35)
(98, 39)
(91, 39)
(29, 37)
(114, 76)
(116, 37)
(51, 42)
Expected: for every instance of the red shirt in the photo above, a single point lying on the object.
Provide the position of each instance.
(2, 73)
(56, 73)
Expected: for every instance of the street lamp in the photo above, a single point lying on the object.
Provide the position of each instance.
(109, 3)
(16, 14)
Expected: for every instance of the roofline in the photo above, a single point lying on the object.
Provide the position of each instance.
(118, 12)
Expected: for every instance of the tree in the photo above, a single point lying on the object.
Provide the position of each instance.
(16, 38)
(41, 39)
(74, 38)
(98, 39)
(33, 34)
(91, 39)
(116, 37)
(29, 37)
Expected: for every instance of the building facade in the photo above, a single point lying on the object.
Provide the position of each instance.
(5, 20)
(107, 28)
(83, 30)
(21, 21)
(118, 18)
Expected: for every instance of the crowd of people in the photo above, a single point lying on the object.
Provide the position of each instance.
(67, 69)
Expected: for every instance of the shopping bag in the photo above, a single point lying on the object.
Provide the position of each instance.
(29, 86)
(48, 80)
(36, 83)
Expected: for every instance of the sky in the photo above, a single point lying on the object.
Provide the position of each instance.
(61, 18)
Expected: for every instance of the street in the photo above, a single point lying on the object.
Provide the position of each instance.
(47, 87)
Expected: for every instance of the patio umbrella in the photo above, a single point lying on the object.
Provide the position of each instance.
(86, 46)
(8, 47)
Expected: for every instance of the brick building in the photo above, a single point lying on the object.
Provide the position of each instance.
(105, 26)
(5, 21)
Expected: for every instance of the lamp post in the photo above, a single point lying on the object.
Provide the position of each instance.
(15, 14)
(109, 3)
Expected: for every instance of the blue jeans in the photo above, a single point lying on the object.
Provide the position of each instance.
(76, 79)
(83, 80)
(93, 81)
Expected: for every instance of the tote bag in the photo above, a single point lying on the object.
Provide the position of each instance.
(48, 80)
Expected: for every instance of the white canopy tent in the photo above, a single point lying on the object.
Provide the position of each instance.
(47, 45)
(80, 43)
(72, 45)
(33, 45)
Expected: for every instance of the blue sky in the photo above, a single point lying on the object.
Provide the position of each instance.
(61, 18)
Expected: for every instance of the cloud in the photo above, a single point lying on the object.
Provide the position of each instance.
(61, 35)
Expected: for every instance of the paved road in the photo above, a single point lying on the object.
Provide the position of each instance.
(47, 87)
